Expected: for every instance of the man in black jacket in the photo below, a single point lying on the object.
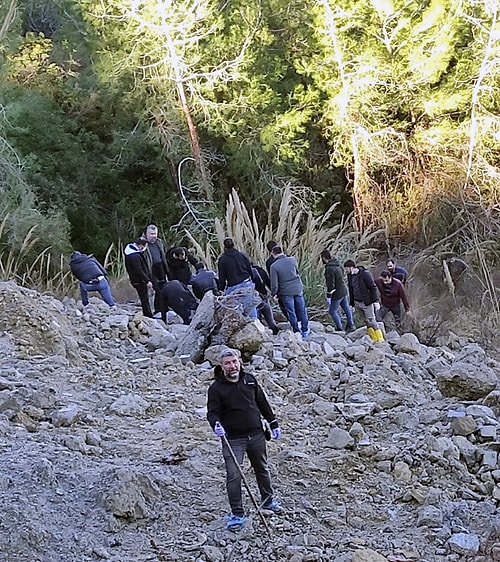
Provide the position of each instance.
(157, 262)
(179, 298)
(235, 405)
(364, 296)
(139, 272)
(264, 309)
(92, 277)
(235, 271)
(205, 280)
(179, 262)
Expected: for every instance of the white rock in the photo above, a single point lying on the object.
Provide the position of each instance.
(464, 543)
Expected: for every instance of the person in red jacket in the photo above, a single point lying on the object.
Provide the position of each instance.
(392, 294)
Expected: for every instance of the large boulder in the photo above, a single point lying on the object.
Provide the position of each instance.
(130, 494)
(195, 340)
(249, 339)
(466, 381)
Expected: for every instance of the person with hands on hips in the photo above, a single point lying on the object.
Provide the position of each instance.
(235, 407)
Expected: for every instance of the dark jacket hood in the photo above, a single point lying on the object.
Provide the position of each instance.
(333, 261)
(77, 257)
(231, 251)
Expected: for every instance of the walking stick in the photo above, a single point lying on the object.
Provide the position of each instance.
(257, 506)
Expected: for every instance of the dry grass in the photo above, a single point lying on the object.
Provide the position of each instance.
(420, 186)
(48, 272)
(298, 231)
(44, 272)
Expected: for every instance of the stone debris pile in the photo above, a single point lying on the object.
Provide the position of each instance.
(389, 450)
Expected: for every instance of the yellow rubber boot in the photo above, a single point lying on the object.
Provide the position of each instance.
(379, 336)
(372, 334)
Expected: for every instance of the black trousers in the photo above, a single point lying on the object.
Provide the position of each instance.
(255, 448)
(157, 286)
(143, 292)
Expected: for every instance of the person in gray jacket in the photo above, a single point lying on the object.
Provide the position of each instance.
(155, 257)
(286, 285)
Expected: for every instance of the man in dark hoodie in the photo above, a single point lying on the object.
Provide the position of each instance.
(363, 295)
(179, 262)
(235, 271)
(139, 273)
(235, 405)
(336, 291)
(91, 276)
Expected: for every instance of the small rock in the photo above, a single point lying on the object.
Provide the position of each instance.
(464, 543)
(464, 426)
(65, 417)
(408, 343)
(367, 555)
(402, 472)
(429, 516)
(339, 439)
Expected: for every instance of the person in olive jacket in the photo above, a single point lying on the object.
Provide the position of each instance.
(156, 260)
(336, 291)
(235, 405)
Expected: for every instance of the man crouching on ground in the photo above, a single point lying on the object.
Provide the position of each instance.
(234, 408)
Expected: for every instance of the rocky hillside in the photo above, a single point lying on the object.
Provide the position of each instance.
(389, 451)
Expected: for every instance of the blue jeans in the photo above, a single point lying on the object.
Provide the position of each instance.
(296, 312)
(102, 287)
(245, 285)
(334, 311)
(255, 448)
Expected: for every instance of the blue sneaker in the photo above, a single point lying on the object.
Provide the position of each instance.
(273, 506)
(306, 334)
(235, 522)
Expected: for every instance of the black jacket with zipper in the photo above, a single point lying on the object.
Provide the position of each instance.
(362, 287)
(238, 406)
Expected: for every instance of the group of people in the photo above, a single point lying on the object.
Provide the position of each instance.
(236, 403)
(371, 299)
(169, 276)
(152, 270)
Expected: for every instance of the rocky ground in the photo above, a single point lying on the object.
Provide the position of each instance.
(389, 451)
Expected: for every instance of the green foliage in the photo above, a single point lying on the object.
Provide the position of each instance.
(26, 233)
(390, 106)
